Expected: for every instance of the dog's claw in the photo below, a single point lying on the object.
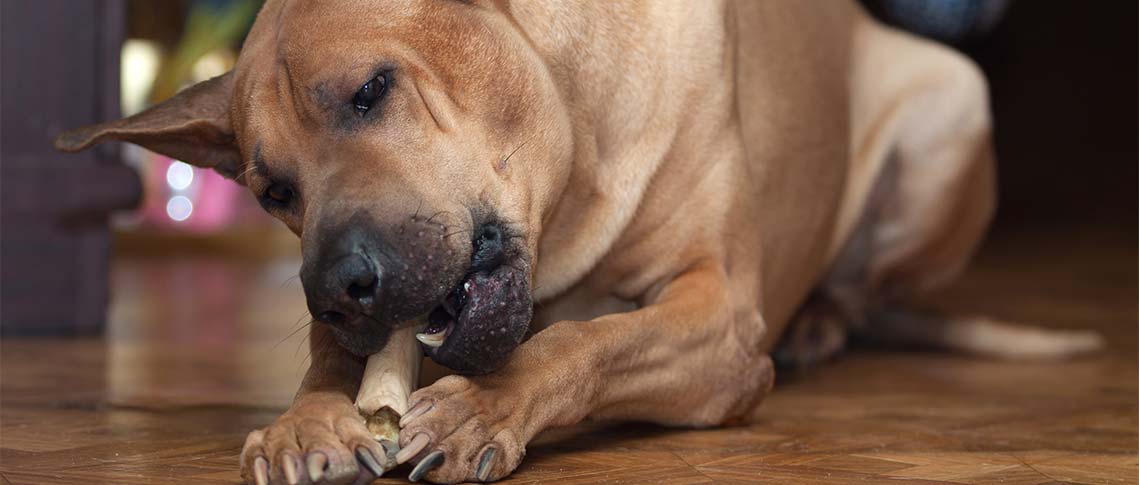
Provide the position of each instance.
(364, 456)
(420, 408)
(391, 448)
(414, 448)
(425, 465)
(484, 469)
(316, 463)
(289, 469)
(261, 471)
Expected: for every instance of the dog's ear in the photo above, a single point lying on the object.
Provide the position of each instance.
(193, 126)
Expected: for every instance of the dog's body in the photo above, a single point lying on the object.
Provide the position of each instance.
(692, 179)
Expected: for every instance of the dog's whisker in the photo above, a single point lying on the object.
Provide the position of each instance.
(433, 216)
(291, 334)
(300, 319)
(320, 343)
(503, 162)
(301, 342)
(250, 168)
(461, 231)
(290, 279)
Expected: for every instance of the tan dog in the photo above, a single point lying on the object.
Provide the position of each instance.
(677, 182)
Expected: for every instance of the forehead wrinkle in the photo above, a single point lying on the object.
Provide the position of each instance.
(258, 92)
(292, 92)
(259, 161)
(424, 71)
(451, 48)
(254, 119)
(297, 45)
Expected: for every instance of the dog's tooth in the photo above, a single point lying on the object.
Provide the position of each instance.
(433, 340)
(467, 286)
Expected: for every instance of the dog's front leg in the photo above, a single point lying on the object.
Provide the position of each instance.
(690, 356)
(322, 436)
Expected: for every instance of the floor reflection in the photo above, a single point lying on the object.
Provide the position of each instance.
(206, 331)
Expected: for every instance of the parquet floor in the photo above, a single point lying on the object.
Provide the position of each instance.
(198, 353)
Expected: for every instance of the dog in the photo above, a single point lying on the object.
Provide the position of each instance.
(681, 185)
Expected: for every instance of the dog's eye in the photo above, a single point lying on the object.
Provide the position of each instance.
(368, 94)
(277, 196)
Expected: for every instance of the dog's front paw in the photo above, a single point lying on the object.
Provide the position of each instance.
(319, 440)
(462, 429)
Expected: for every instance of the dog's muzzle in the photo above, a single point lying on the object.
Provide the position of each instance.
(472, 288)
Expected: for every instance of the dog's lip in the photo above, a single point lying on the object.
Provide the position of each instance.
(452, 312)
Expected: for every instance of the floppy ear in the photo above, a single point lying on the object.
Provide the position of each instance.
(193, 126)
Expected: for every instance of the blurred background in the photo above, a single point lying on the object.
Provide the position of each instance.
(120, 241)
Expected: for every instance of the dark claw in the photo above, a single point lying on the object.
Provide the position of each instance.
(418, 443)
(364, 456)
(425, 465)
(390, 450)
(420, 408)
(485, 463)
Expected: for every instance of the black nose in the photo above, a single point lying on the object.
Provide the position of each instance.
(488, 248)
(365, 275)
(346, 287)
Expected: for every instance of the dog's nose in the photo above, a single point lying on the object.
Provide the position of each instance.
(362, 281)
(349, 286)
(358, 279)
(366, 276)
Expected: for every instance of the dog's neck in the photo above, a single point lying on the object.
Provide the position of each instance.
(616, 63)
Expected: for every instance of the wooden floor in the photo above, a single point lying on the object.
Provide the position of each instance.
(199, 352)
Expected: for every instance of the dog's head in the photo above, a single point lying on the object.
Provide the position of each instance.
(415, 147)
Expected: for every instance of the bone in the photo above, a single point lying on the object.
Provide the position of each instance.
(390, 376)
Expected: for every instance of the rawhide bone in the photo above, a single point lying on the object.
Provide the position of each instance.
(390, 376)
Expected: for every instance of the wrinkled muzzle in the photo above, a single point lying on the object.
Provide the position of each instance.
(471, 287)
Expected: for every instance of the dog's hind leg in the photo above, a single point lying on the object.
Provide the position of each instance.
(932, 202)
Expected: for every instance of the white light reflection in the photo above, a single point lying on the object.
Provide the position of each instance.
(179, 208)
(179, 175)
